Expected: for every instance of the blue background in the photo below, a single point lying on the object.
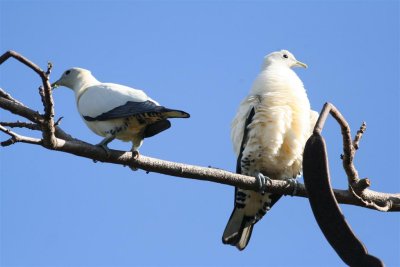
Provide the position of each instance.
(61, 210)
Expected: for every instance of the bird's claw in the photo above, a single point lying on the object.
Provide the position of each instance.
(103, 144)
(105, 148)
(135, 155)
(295, 184)
(263, 182)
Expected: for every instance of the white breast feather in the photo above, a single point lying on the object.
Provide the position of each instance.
(280, 126)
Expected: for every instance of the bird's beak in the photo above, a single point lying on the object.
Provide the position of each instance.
(301, 64)
(54, 85)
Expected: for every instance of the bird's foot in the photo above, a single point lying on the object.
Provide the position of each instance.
(295, 184)
(103, 144)
(105, 149)
(263, 182)
(135, 155)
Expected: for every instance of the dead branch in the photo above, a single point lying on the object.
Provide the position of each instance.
(20, 124)
(357, 187)
(359, 134)
(56, 139)
(17, 138)
(48, 124)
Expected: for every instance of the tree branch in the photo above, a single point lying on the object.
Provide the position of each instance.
(359, 134)
(19, 124)
(48, 123)
(65, 143)
(20, 109)
(18, 138)
(357, 186)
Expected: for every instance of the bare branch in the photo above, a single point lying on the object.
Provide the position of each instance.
(21, 110)
(149, 164)
(58, 122)
(18, 138)
(16, 107)
(21, 59)
(19, 124)
(348, 148)
(48, 123)
(5, 95)
(357, 187)
(359, 134)
(365, 199)
(65, 143)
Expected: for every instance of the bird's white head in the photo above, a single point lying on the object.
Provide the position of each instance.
(74, 78)
(284, 58)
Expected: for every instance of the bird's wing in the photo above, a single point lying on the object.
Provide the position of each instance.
(239, 123)
(127, 110)
(98, 99)
(113, 101)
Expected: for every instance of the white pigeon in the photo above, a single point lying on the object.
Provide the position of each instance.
(275, 120)
(116, 111)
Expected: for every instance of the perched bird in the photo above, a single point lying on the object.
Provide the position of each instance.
(117, 111)
(269, 133)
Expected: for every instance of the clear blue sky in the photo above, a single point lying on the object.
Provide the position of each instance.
(202, 57)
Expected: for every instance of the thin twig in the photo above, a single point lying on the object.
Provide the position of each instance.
(58, 122)
(359, 134)
(18, 138)
(19, 109)
(21, 59)
(19, 124)
(348, 149)
(5, 95)
(48, 123)
(357, 187)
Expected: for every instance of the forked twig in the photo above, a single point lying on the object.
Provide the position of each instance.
(357, 186)
(48, 122)
(18, 138)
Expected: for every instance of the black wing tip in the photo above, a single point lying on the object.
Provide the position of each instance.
(187, 115)
(234, 241)
(175, 113)
(241, 248)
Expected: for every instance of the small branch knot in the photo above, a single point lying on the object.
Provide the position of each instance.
(361, 185)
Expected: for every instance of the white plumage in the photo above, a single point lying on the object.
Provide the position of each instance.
(276, 137)
(116, 111)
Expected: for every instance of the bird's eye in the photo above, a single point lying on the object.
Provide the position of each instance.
(67, 72)
(285, 56)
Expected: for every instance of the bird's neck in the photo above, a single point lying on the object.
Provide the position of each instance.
(276, 79)
(82, 84)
